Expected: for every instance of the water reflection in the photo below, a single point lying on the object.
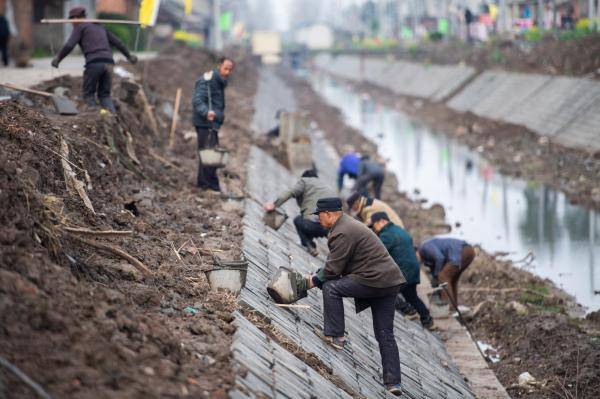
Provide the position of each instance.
(496, 211)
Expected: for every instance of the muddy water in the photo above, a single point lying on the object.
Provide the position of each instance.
(500, 213)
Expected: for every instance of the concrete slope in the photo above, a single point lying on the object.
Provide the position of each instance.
(427, 369)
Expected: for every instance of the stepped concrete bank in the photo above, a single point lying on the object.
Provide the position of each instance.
(428, 371)
(564, 109)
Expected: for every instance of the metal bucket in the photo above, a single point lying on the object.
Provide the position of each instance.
(287, 286)
(229, 275)
(275, 219)
(216, 157)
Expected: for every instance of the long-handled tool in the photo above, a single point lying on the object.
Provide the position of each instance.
(63, 105)
(444, 286)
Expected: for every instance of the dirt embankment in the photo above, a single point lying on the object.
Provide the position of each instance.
(80, 320)
(521, 315)
(574, 57)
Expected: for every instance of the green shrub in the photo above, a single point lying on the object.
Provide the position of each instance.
(533, 34)
(126, 33)
(436, 36)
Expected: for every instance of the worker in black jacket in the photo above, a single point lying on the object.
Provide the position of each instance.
(95, 42)
(208, 104)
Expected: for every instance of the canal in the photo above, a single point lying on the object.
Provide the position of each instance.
(500, 213)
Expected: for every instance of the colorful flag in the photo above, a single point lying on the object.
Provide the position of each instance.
(149, 12)
(187, 7)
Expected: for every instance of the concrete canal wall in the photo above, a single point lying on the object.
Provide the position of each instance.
(564, 109)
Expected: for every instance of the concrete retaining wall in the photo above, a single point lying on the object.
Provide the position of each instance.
(434, 82)
(562, 108)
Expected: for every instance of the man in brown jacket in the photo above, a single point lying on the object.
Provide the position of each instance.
(365, 207)
(359, 267)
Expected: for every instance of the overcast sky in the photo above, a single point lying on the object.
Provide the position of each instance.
(282, 9)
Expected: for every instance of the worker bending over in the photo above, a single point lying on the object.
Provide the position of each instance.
(95, 43)
(447, 258)
(400, 246)
(307, 192)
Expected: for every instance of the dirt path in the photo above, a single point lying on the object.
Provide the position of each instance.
(81, 321)
(518, 313)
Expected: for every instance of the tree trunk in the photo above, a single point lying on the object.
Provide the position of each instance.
(23, 14)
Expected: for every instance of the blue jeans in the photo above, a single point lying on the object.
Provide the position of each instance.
(381, 301)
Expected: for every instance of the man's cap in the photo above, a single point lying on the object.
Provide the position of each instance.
(352, 198)
(377, 216)
(77, 12)
(333, 204)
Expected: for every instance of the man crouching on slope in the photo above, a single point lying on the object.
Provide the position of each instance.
(359, 267)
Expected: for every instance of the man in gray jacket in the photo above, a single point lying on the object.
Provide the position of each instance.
(360, 267)
(307, 192)
(208, 104)
(369, 171)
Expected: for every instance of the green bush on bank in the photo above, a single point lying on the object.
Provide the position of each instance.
(125, 33)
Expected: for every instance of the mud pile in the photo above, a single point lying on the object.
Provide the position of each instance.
(76, 317)
(525, 318)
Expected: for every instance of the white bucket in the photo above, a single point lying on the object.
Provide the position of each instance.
(216, 157)
(230, 275)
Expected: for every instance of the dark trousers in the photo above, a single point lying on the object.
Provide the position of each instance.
(381, 301)
(4, 49)
(362, 184)
(308, 230)
(207, 175)
(97, 78)
(409, 292)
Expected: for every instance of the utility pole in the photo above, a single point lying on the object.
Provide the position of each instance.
(217, 40)
(502, 17)
(540, 14)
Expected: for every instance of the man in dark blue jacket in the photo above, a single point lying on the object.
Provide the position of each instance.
(349, 166)
(447, 258)
(400, 246)
(208, 104)
(95, 42)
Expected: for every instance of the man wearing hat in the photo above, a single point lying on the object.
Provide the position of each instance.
(365, 207)
(358, 266)
(95, 43)
(307, 191)
(400, 246)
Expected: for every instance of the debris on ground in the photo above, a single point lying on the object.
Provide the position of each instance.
(104, 240)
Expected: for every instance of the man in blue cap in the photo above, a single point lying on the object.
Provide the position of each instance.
(358, 266)
(400, 246)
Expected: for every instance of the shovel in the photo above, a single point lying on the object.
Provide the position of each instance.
(63, 105)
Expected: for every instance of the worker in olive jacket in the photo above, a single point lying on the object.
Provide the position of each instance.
(358, 266)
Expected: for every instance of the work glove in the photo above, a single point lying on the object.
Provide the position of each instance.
(55, 62)
(132, 58)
